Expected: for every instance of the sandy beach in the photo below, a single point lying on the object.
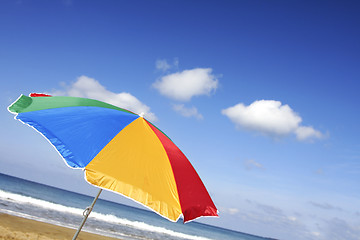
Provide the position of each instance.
(17, 228)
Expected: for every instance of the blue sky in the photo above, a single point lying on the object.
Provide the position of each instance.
(261, 96)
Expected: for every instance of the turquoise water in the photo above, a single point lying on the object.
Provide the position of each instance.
(44, 203)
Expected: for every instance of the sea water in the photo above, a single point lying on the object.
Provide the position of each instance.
(60, 207)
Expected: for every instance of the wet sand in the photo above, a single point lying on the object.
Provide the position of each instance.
(17, 228)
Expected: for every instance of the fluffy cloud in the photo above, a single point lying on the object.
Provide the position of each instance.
(303, 133)
(90, 88)
(182, 86)
(270, 117)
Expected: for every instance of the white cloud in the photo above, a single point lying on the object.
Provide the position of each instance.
(90, 88)
(265, 116)
(233, 211)
(276, 220)
(230, 211)
(270, 117)
(341, 229)
(251, 164)
(176, 63)
(182, 86)
(303, 133)
(325, 206)
(162, 65)
(187, 112)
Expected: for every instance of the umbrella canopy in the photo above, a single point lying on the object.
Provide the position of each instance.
(119, 151)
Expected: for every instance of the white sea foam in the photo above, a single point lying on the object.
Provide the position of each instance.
(20, 199)
(144, 226)
(17, 198)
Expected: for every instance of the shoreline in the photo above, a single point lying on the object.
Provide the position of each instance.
(18, 228)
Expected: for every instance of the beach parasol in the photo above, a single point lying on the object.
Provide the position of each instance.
(119, 151)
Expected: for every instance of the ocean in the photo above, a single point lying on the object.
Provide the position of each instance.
(44, 203)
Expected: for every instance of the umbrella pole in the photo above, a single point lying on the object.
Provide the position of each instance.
(86, 214)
